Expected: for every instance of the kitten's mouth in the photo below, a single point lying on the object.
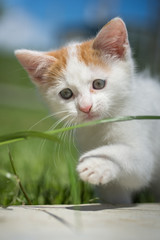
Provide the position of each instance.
(90, 116)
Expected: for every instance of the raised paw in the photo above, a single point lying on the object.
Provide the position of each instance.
(97, 170)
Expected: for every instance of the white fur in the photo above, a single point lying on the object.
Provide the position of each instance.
(131, 146)
(119, 158)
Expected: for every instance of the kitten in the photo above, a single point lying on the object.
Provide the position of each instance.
(95, 80)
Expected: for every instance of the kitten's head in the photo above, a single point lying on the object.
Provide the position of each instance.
(89, 80)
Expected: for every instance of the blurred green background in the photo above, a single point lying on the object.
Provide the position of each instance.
(47, 170)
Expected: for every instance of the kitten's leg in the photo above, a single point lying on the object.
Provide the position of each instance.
(130, 166)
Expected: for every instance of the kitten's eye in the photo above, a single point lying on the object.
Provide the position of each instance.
(99, 84)
(66, 93)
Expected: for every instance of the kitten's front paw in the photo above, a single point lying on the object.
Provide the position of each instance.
(97, 170)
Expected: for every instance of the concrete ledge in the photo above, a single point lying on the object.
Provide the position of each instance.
(85, 222)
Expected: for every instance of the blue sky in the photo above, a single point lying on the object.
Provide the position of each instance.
(29, 22)
(55, 10)
(69, 10)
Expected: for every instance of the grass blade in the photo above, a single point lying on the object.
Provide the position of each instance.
(19, 136)
(50, 135)
(18, 179)
(107, 120)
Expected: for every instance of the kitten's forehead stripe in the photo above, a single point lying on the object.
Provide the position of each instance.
(72, 51)
(88, 55)
(56, 70)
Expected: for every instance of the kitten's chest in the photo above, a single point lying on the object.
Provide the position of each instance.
(103, 134)
(91, 137)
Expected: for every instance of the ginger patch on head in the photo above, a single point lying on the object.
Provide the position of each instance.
(87, 54)
(56, 69)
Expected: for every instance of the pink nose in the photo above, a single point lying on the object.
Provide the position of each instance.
(85, 109)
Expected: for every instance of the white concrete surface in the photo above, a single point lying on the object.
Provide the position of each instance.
(85, 222)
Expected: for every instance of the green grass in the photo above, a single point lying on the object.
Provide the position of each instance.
(44, 174)
(46, 170)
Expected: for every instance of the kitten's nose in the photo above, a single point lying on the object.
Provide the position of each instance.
(85, 109)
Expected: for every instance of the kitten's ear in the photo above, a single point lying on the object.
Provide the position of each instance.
(112, 39)
(35, 63)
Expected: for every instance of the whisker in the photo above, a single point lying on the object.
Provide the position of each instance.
(61, 136)
(52, 128)
(74, 144)
(73, 141)
(70, 139)
(60, 146)
(57, 123)
(49, 116)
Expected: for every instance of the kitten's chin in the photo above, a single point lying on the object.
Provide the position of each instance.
(90, 117)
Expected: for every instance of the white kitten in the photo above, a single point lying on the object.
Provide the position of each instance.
(95, 80)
